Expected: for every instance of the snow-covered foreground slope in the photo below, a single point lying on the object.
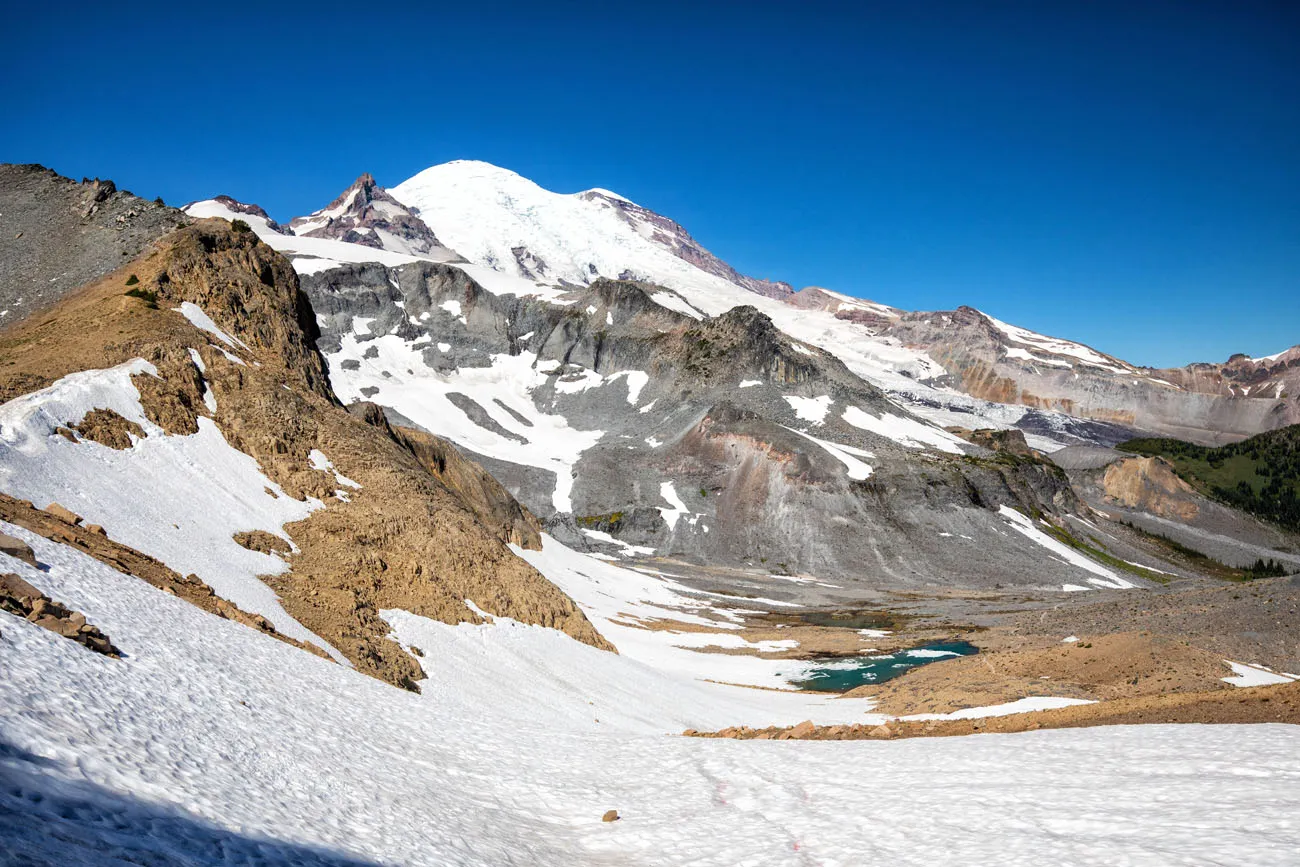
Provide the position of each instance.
(211, 744)
(177, 498)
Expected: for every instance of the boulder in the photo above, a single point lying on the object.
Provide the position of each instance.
(67, 516)
(881, 732)
(802, 730)
(610, 816)
(17, 549)
(12, 585)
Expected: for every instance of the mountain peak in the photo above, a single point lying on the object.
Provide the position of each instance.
(366, 214)
(497, 218)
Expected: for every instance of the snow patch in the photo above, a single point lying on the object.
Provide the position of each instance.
(194, 313)
(811, 409)
(1023, 525)
(905, 431)
(177, 498)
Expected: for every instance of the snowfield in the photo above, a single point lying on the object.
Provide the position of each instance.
(398, 377)
(210, 744)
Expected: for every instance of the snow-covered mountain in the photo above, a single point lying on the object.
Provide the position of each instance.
(507, 222)
(1058, 391)
(522, 354)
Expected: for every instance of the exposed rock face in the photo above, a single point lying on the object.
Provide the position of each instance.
(755, 490)
(1011, 442)
(252, 209)
(23, 600)
(57, 234)
(493, 504)
(366, 214)
(868, 313)
(107, 428)
(1150, 484)
(262, 542)
(674, 238)
(1203, 403)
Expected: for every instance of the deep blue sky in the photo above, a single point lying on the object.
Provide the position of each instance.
(1126, 174)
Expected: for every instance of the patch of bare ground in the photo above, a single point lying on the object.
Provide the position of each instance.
(262, 542)
(1123, 665)
(1254, 621)
(1261, 704)
(107, 428)
(423, 532)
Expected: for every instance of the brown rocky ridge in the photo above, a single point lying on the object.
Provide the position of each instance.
(1260, 704)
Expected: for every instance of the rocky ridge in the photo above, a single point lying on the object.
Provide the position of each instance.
(673, 237)
(57, 234)
(366, 214)
(1204, 403)
(753, 483)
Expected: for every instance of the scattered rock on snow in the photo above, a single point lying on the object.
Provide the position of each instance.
(18, 549)
(23, 600)
(610, 816)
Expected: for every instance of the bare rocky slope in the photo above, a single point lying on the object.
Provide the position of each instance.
(755, 485)
(56, 235)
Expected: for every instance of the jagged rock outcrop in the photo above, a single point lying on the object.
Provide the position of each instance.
(251, 209)
(366, 214)
(1011, 442)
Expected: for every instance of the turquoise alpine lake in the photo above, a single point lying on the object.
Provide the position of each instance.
(846, 673)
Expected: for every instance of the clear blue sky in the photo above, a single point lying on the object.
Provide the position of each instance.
(1126, 173)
